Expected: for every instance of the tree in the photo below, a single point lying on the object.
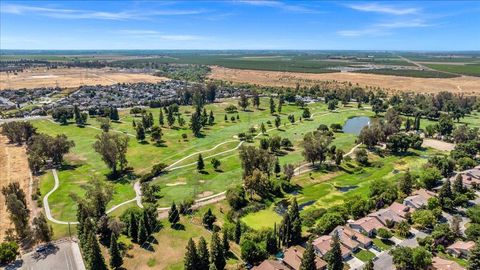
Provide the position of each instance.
(43, 232)
(421, 258)
(257, 183)
(17, 207)
(429, 177)
(217, 254)
(94, 259)
(173, 215)
(116, 259)
(196, 123)
(384, 233)
(289, 171)
(306, 113)
(238, 231)
(156, 134)
(114, 114)
(334, 256)
(332, 104)
(104, 123)
(211, 93)
(272, 106)
(142, 231)
(263, 129)
(271, 242)
(215, 163)
(361, 156)
(308, 259)
(200, 163)
(278, 121)
(405, 183)
(161, 120)
(8, 252)
(80, 118)
(251, 252)
(458, 184)
(113, 149)
(140, 129)
(474, 258)
(203, 254)
(277, 169)
(243, 102)
(133, 227)
(445, 124)
(211, 118)
(423, 219)
(445, 195)
(369, 265)
(338, 156)
(191, 256)
(403, 228)
(256, 99)
(403, 258)
(225, 242)
(315, 145)
(208, 219)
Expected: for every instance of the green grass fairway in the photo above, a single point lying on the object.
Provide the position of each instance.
(262, 219)
(83, 163)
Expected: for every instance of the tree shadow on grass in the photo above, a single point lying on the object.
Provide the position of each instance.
(204, 172)
(143, 142)
(178, 227)
(66, 167)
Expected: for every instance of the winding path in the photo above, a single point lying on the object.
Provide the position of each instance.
(199, 202)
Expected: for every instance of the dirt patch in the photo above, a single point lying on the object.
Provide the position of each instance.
(205, 194)
(13, 168)
(71, 77)
(439, 145)
(465, 84)
(175, 184)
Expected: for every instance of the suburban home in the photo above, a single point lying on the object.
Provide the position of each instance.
(400, 209)
(271, 265)
(418, 199)
(461, 248)
(323, 244)
(352, 239)
(385, 215)
(368, 225)
(470, 178)
(292, 257)
(442, 264)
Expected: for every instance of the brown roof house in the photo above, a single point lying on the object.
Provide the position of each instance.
(461, 248)
(442, 264)
(418, 199)
(292, 257)
(323, 244)
(271, 265)
(368, 225)
(351, 239)
(400, 209)
(469, 178)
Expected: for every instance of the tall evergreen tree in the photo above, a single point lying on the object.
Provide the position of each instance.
(277, 169)
(458, 184)
(271, 243)
(94, 258)
(405, 183)
(191, 256)
(161, 121)
(142, 231)
(173, 215)
(262, 128)
(116, 259)
(204, 117)
(256, 99)
(474, 258)
(226, 244)
(211, 118)
(445, 194)
(147, 222)
(217, 254)
(334, 256)
(200, 163)
(196, 123)
(308, 259)
(238, 231)
(133, 227)
(203, 254)
(272, 106)
(114, 114)
(140, 132)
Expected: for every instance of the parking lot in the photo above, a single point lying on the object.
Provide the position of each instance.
(63, 255)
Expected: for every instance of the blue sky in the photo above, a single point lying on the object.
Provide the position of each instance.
(249, 24)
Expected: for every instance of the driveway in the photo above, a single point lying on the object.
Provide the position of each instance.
(63, 255)
(412, 241)
(355, 264)
(384, 261)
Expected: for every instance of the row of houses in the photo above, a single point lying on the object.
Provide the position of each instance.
(357, 234)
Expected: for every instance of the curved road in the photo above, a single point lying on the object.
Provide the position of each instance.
(200, 202)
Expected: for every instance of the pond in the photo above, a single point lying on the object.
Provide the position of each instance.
(354, 125)
(281, 207)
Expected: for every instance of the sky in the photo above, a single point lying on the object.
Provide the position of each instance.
(240, 24)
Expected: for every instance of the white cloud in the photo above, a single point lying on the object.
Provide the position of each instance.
(373, 7)
(91, 14)
(279, 5)
(153, 34)
(383, 28)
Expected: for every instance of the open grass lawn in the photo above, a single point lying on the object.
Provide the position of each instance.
(383, 244)
(83, 163)
(169, 244)
(262, 219)
(364, 255)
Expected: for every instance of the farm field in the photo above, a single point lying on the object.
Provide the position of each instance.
(70, 77)
(465, 69)
(466, 85)
(83, 162)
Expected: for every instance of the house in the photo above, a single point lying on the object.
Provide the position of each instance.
(442, 264)
(461, 248)
(469, 178)
(271, 265)
(386, 215)
(323, 244)
(400, 209)
(368, 225)
(351, 239)
(292, 257)
(418, 199)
